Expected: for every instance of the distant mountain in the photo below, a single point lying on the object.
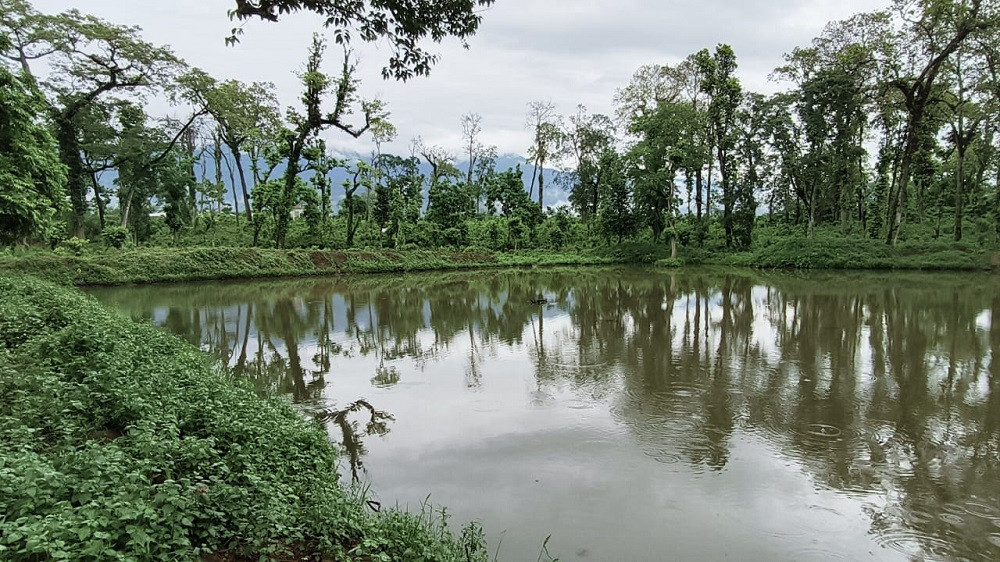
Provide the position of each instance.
(205, 169)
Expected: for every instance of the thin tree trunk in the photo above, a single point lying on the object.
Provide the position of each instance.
(541, 183)
(97, 199)
(698, 195)
(236, 197)
(238, 158)
(897, 200)
(960, 188)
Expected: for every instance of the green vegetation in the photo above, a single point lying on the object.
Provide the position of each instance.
(832, 250)
(75, 264)
(120, 442)
(152, 265)
(887, 133)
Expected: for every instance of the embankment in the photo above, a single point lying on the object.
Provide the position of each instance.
(156, 265)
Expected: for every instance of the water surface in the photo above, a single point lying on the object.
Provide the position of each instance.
(642, 415)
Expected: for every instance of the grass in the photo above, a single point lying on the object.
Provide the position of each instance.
(152, 265)
(830, 251)
(121, 442)
(770, 250)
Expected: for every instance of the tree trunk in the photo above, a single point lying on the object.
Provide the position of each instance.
(70, 154)
(236, 197)
(285, 210)
(960, 189)
(727, 197)
(97, 199)
(697, 194)
(349, 201)
(238, 158)
(812, 209)
(897, 199)
(541, 183)
(708, 193)
(126, 206)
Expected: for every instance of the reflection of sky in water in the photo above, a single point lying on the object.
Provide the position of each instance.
(768, 443)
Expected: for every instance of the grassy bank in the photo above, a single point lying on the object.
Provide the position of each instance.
(118, 441)
(152, 265)
(835, 252)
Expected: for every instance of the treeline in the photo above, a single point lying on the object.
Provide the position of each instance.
(888, 131)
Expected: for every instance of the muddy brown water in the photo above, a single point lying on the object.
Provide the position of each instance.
(639, 414)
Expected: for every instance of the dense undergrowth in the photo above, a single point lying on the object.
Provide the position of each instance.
(834, 251)
(120, 442)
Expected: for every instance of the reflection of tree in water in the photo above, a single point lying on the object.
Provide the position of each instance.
(352, 435)
(876, 386)
(881, 392)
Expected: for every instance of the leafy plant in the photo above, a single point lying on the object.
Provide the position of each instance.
(115, 236)
(74, 246)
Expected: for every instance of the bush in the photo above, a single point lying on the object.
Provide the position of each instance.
(638, 252)
(115, 236)
(73, 246)
(669, 262)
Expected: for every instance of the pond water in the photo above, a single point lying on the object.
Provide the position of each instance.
(638, 414)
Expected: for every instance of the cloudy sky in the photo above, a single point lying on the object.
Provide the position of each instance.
(566, 51)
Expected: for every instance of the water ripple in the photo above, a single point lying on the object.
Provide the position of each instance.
(823, 430)
(914, 545)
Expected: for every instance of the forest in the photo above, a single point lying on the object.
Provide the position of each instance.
(884, 133)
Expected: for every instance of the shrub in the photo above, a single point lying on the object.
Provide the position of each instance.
(669, 262)
(73, 246)
(115, 236)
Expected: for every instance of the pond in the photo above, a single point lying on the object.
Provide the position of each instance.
(637, 414)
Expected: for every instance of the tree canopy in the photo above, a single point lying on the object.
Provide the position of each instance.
(403, 24)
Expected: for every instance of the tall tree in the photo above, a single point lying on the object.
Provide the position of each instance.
(964, 119)
(89, 59)
(31, 175)
(933, 31)
(588, 137)
(397, 205)
(547, 142)
(617, 203)
(472, 128)
(247, 114)
(725, 94)
(665, 141)
(317, 85)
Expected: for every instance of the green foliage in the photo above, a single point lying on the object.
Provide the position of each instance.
(32, 180)
(637, 252)
(618, 217)
(73, 246)
(115, 236)
(447, 207)
(401, 24)
(669, 262)
(120, 442)
(831, 250)
(151, 265)
(92, 62)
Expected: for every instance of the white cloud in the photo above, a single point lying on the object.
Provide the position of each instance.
(567, 51)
